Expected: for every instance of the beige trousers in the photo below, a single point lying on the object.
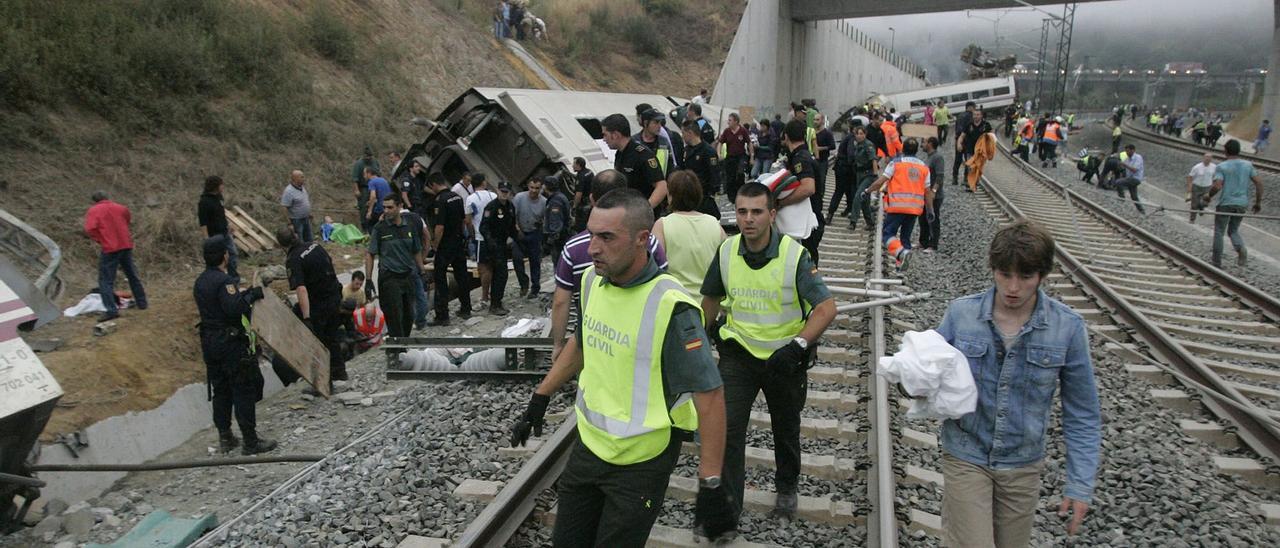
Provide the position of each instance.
(982, 508)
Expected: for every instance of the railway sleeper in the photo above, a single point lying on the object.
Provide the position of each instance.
(1258, 373)
(834, 429)
(828, 467)
(1130, 275)
(1237, 325)
(1181, 288)
(1224, 336)
(1215, 300)
(664, 536)
(1204, 308)
(1228, 353)
(1250, 470)
(1209, 432)
(822, 509)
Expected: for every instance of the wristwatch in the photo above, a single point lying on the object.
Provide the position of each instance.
(712, 482)
(803, 342)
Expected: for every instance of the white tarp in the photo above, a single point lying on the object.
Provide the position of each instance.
(933, 372)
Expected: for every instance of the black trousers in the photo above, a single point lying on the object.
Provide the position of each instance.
(931, 225)
(942, 132)
(235, 382)
(844, 188)
(327, 321)
(1130, 184)
(957, 161)
(861, 201)
(396, 295)
(456, 260)
(815, 239)
(744, 377)
(496, 256)
(610, 505)
(733, 175)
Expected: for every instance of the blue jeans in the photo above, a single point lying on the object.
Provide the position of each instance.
(1228, 225)
(530, 244)
(420, 302)
(108, 263)
(302, 227)
(900, 225)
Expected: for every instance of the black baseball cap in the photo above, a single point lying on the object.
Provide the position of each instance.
(653, 114)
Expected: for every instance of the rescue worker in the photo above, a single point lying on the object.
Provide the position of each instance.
(701, 159)
(229, 350)
(776, 307)
(805, 169)
(311, 275)
(643, 367)
(398, 247)
(370, 325)
(410, 186)
(1116, 133)
(653, 135)
(635, 160)
(1054, 135)
(904, 200)
(498, 225)
(1026, 136)
(448, 228)
(892, 142)
(864, 168)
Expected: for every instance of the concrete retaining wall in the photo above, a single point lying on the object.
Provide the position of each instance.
(775, 60)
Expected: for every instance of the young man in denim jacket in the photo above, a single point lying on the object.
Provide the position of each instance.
(1022, 346)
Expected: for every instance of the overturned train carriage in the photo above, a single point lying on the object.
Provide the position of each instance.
(515, 135)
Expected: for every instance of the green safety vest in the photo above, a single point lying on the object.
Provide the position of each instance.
(621, 407)
(661, 153)
(764, 308)
(811, 139)
(1071, 120)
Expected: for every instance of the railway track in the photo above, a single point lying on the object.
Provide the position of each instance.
(847, 495)
(1132, 130)
(1168, 313)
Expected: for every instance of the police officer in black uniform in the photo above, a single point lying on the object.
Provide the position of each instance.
(498, 225)
(411, 185)
(635, 160)
(701, 159)
(450, 244)
(230, 353)
(319, 294)
(802, 165)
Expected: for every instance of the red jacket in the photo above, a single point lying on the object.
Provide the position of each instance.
(108, 224)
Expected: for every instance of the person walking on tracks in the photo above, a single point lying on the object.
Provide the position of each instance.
(776, 307)
(1022, 346)
(643, 368)
(229, 350)
(311, 274)
(1135, 169)
(1232, 179)
(906, 183)
(931, 224)
(1199, 181)
(107, 224)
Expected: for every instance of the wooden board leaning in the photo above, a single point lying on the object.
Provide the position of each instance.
(279, 329)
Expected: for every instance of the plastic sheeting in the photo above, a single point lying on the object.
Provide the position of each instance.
(440, 359)
(933, 372)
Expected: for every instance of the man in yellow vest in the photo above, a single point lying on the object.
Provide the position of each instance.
(904, 200)
(644, 367)
(776, 306)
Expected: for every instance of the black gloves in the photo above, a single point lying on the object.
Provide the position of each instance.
(255, 294)
(713, 514)
(369, 292)
(789, 359)
(531, 419)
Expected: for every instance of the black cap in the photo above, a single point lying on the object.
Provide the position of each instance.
(504, 186)
(215, 244)
(652, 114)
(550, 180)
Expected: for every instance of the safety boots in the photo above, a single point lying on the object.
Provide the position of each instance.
(254, 445)
(227, 441)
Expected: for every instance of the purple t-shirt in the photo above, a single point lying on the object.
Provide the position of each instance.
(575, 259)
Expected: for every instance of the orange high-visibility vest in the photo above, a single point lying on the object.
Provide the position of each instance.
(1053, 132)
(1028, 131)
(905, 192)
(891, 140)
(371, 330)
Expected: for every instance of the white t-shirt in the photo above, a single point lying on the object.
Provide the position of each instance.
(1202, 175)
(474, 206)
(462, 191)
(698, 100)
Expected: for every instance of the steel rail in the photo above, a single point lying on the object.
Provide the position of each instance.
(1264, 164)
(882, 525)
(1260, 437)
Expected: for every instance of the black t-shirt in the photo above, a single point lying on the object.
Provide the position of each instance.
(211, 214)
(447, 211)
(825, 139)
(972, 133)
(802, 165)
(585, 177)
(498, 222)
(309, 265)
(640, 165)
(413, 187)
(701, 159)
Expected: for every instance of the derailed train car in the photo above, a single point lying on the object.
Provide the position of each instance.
(515, 135)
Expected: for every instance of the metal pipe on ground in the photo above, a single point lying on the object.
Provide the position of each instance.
(883, 281)
(882, 302)
(175, 465)
(861, 292)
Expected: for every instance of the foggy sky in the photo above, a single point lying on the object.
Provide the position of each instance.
(934, 40)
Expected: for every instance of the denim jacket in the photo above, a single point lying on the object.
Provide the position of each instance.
(1016, 387)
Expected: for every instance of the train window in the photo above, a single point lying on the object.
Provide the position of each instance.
(981, 93)
(958, 98)
(919, 103)
(592, 126)
(1001, 91)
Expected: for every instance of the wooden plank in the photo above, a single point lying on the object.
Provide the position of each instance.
(266, 239)
(244, 240)
(276, 326)
(249, 219)
(246, 232)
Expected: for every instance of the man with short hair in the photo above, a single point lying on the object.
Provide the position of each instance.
(1055, 135)
(378, 191)
(311, 275)
(464, 187)
(635, 160)
(393, 160)
(646, 380)
(701, 158)
(530, 209)
(1232, 179)
(107, 224)
(355, 290)
(213, 219)
(864, 166)
(904, 199)
(296, 202)
(931, 224)
(497, 225)
(967, 137)
(962, 122)
(474, 208)
(1135, 172)
(1264, 137)
(942, 117)
(653, 134)
(448, 239)
(1022, 347)
(804, 168)
(581, 190)
(410, 185)
(694, 112)
(576, 258)
(360, 181)
(555, 217)
(398, 248)
(776, 308)
(700, 98)
(826, 142)
(735, 139)
(1199, 181)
